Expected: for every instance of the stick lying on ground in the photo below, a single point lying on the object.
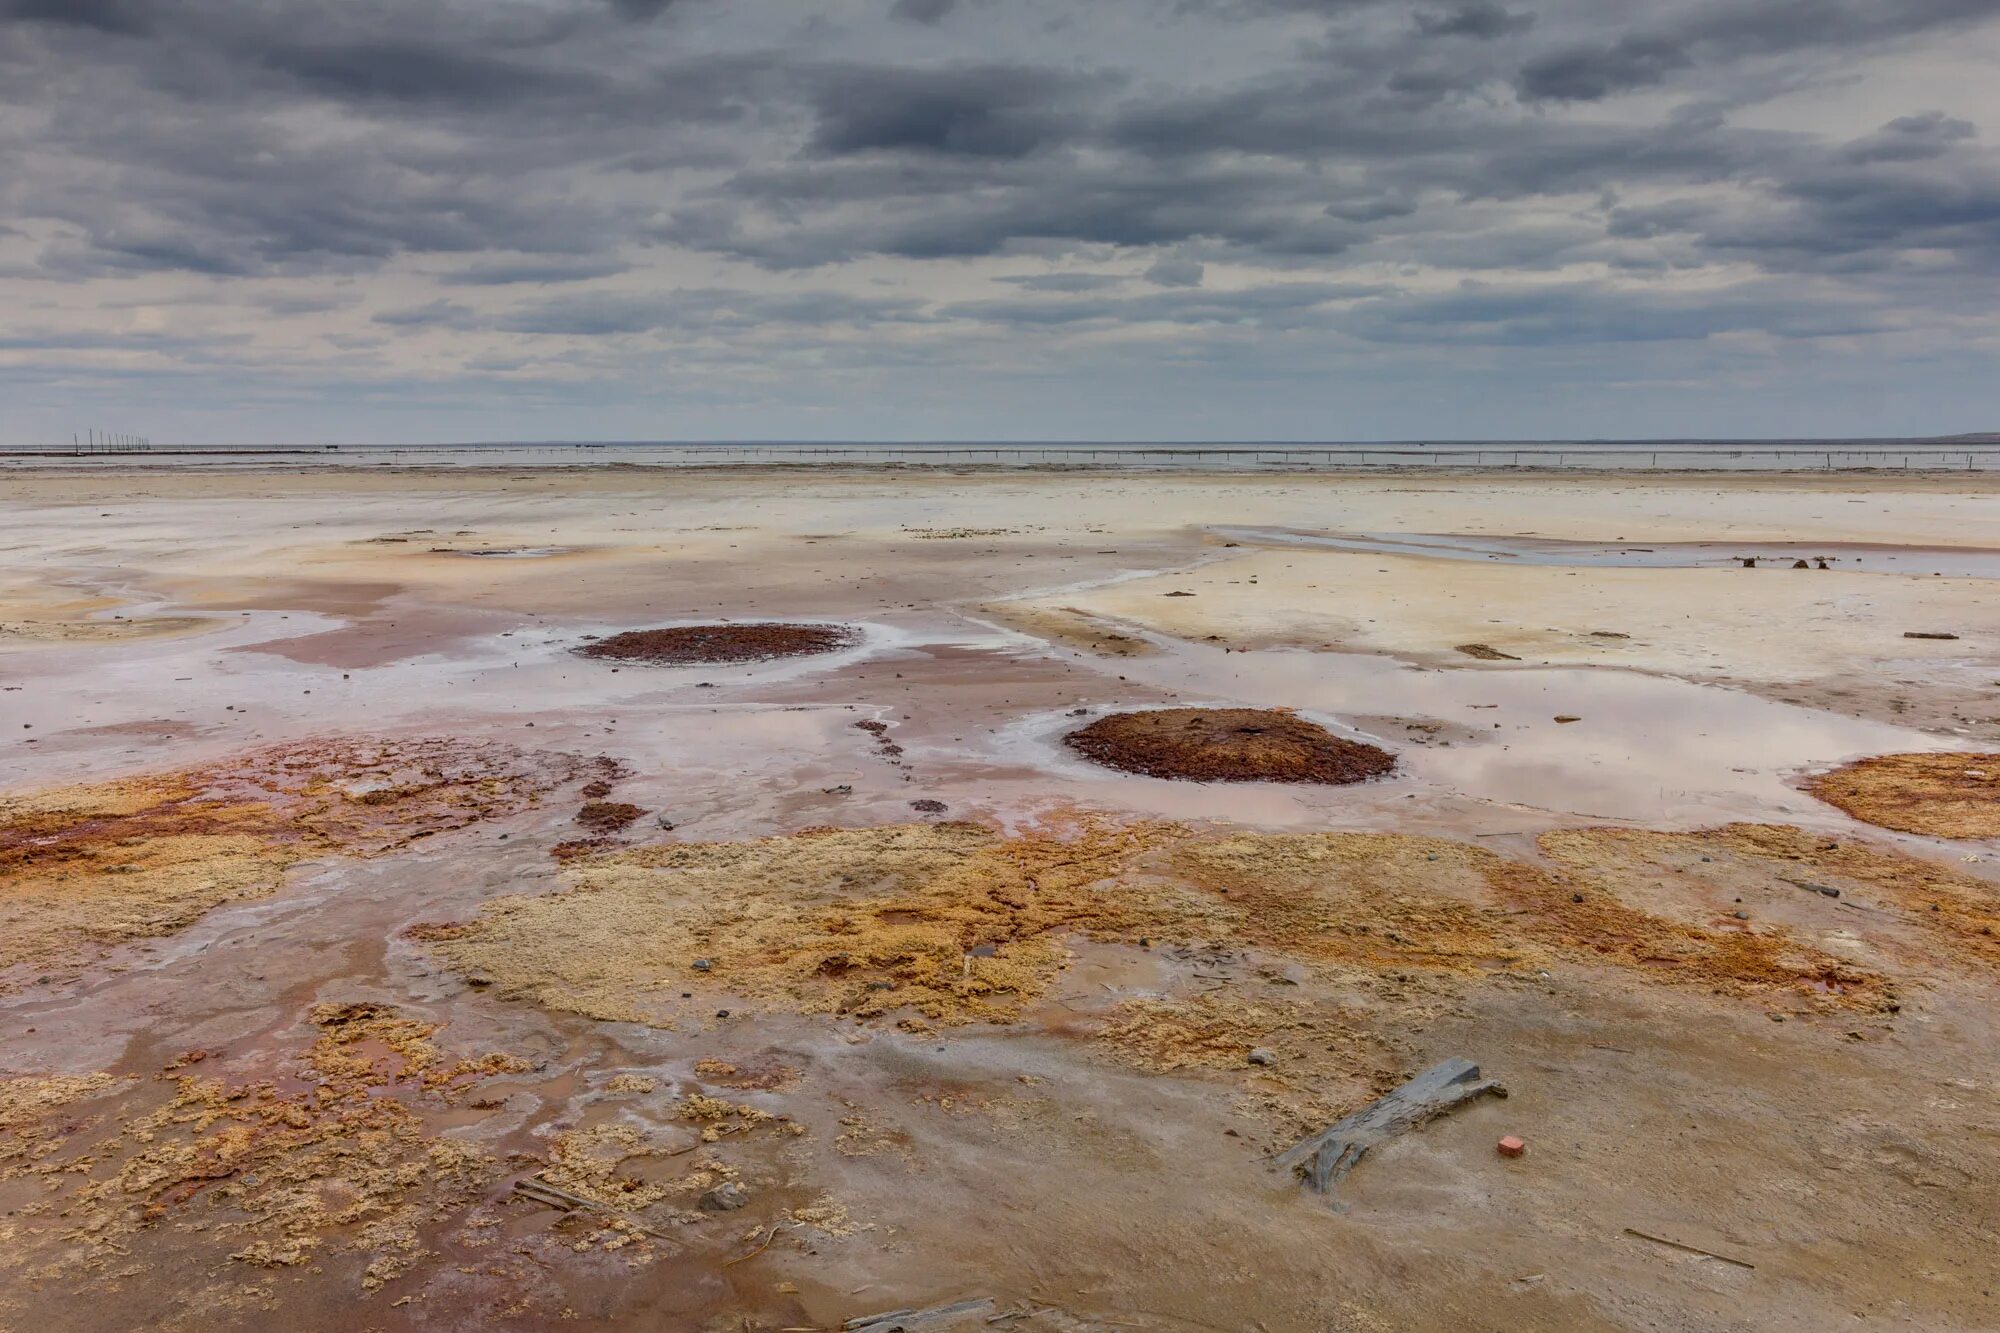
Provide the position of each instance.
(894, 1321)
(1322, 1159)
(540, 1191)
(1689, 1249)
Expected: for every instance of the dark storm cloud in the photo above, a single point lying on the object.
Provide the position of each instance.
(1588, 73)
(411, 72)
(1480, 19)
(642, 10)
(1204, 169)
(1919, 184)
(502, 273)
(1912, 139)
(952, 210)
(929, 12)
(842, 160)
(979, 111)
(120, 16)
(191, 168)
(1720, 34)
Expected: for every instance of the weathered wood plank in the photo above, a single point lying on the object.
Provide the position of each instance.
(1322, 1159)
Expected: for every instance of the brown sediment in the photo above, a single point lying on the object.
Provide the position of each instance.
(694, 644)
(335, 1158)
(1227, 745)
(30, 1131)
(1368, 900)
(855, 921)
(1942, 908)
(955, 923)
(1948, 795)
(1323, 1060)
(1073, 628)
(118, 630)
(1384, 901)
(608, 816)
(1607, 927)
(762, 1075)
(1486, 652)
(85, 867)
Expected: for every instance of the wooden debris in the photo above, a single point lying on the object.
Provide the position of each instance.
(537, 1190)
(534, 1187)
(1323, 1158)
(762, 1246)
(911, 1321)
(1686, 1248)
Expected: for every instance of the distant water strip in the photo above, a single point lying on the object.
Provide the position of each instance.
(1845, 557)
(1955, 454)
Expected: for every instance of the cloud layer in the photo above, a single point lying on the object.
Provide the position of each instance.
(253, 219)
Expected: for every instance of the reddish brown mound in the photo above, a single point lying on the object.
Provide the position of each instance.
(1227, 745)
(691, 644)
(608, 816)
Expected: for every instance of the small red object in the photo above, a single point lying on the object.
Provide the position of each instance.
(1512, 1147)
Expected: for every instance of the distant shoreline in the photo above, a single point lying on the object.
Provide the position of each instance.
(1965, 453)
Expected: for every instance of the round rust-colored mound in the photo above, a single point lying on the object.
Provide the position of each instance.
(681, 645)
(608, 816)
(1947, 795)
(1227, 745)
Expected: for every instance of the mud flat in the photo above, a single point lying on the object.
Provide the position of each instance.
(374, 960)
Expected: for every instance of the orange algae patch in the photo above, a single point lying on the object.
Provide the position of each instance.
(334, 1158)
(1380, 901)
(90, 866)
(1317, 1062)
(1931, 907)
(951, 920)
(957, 923)
(1948, 795)
(1371, 900)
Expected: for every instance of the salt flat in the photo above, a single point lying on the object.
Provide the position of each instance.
(299, 1017)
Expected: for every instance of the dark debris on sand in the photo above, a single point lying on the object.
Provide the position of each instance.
(1227, 745)
(690, 644)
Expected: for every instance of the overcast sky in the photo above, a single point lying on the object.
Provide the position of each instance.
(241, 220)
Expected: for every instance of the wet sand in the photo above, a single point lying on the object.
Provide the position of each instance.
(305, 1096)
